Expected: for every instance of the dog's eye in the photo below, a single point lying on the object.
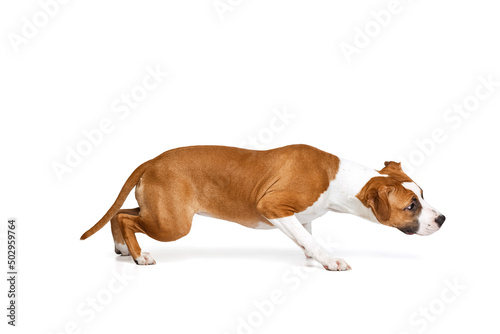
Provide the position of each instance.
(412, 206)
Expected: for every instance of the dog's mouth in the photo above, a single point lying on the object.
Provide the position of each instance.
(408, 231)
(410, 228)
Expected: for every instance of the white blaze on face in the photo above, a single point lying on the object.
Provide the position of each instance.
(427, 220)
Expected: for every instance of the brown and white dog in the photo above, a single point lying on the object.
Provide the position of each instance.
(286, 188)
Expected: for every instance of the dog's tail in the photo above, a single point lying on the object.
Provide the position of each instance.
(122, 196)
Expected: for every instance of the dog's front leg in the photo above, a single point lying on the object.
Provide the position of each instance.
(298, 233)
(308, 227)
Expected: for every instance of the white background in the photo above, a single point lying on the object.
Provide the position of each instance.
(227, 76)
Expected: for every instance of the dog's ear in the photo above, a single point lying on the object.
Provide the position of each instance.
(394, 170)
(378, 200)
(393, 165)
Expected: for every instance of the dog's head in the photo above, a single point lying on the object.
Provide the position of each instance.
(397, 201)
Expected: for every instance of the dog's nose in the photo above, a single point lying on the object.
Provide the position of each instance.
(440, 220)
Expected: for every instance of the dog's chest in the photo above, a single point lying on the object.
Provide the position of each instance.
(317, 209)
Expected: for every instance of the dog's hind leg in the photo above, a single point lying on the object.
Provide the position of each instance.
(120, 245)
(129, 223)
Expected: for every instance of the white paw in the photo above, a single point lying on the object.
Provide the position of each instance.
(145, 259)
(121, 249)
(335, 264)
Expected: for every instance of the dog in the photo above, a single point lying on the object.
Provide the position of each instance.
(284, 188)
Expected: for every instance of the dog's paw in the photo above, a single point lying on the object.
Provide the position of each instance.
(335, 264)
(121, 249)
(145, 259)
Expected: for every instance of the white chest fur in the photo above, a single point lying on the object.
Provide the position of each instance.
(341, 193)
(318, 209)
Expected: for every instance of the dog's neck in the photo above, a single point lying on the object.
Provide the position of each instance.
(341, 193)
(350, 179)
